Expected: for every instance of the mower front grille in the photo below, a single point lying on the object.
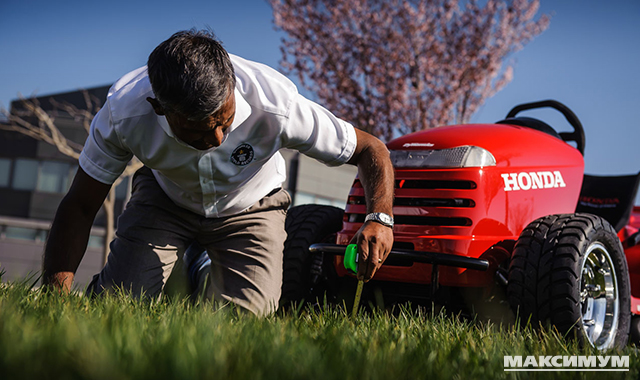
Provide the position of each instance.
(434, 184)
(420, 220)
(429, 184)
(434, 202)
(420, 202)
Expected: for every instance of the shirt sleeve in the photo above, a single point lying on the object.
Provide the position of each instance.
(314, 131)
(104, 157)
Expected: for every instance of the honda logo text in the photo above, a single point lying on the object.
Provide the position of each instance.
(532, 180)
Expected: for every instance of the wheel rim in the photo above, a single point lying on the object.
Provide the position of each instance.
(599, 297)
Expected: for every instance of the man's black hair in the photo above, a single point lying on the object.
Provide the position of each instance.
(191, 74)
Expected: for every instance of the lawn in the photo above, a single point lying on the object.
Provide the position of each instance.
(44, 335)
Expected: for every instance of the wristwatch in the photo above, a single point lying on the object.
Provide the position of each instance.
(382, 218)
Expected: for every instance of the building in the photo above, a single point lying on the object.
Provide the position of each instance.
(35, 176)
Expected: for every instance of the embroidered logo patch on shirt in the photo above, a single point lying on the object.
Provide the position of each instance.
(242, 155)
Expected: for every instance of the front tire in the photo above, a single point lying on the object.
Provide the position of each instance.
(306, 225)
(570, 271)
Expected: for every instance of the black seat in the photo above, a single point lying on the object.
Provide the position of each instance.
(611, 197)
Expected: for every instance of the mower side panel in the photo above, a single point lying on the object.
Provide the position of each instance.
(633, 257)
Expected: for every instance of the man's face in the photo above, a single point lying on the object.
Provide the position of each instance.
(204, 134)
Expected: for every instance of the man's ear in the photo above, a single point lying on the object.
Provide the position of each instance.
(156, 106)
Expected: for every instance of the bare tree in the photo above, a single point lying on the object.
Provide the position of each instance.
(32, 120)
(398, 66)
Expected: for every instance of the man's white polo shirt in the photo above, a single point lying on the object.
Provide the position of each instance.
(222, 181)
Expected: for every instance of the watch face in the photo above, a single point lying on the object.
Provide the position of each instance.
(380, 218)
(385, 218)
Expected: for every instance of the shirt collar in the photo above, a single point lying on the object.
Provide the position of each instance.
(165, 125)
(243, 110)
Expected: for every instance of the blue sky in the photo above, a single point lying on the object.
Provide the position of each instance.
(588, 58)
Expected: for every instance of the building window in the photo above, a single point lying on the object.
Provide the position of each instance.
(95, 241)
(5, 172)
(53, 177)
(302, 198)
(34, 175)
(73, 169)
(22, 233)
(123, 188)
(25, 174)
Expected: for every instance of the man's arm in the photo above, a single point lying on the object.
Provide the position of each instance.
(376, 175)
(70, 230)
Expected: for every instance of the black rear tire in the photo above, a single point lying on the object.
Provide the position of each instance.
(306, 225)
(570, 271)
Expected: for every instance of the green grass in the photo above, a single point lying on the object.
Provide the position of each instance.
(44, 335)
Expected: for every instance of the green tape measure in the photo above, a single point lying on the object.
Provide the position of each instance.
(351, 264)
(351, 258)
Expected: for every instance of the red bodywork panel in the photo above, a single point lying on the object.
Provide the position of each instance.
(479, 212)
(633, 258)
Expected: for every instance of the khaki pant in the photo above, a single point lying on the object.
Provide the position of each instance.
(153, 232)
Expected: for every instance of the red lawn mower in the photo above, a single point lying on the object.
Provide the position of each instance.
(487, 209)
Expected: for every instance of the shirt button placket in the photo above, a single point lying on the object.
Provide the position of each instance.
(205, 171)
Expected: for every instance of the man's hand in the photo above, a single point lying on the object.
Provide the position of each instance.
(70, 231)
(376, 175)
(60, 281)
(374, 244)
